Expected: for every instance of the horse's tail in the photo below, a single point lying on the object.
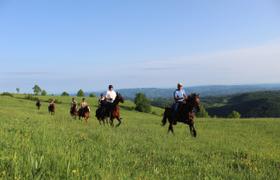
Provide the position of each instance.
(165, 116)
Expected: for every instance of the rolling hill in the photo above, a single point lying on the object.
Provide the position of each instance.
(254, 104)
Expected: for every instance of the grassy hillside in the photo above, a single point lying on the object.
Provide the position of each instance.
(35, 145)
(255, 104)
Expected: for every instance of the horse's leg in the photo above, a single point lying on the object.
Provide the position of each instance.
(170, 129)
(192, 130)
(102, 121)
(120, 121)
(112, 121)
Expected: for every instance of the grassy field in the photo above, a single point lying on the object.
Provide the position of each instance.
(35, 145)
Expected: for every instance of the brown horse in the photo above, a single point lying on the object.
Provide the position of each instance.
(74, 111)
(185, 114)
(84, 113)
(51, 108)
(38, 104)
(111, 111)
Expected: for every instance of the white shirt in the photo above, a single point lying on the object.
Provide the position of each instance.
(111, 95)
(179, 95)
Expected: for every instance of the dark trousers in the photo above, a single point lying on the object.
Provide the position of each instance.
(175, 109)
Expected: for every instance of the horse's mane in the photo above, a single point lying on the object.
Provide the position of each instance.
(192, 96)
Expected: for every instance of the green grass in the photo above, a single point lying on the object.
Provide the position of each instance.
(35, 145)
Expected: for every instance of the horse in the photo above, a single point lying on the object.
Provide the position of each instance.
(84, 112)
(111, 111)
(38, 104)
(185, 114)
(51, 108)
(74, 111)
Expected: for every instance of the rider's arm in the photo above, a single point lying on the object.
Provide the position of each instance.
(185, 96)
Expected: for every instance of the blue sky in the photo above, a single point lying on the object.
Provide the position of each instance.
(67, 44)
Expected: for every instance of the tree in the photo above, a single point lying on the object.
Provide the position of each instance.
(65, 94)
(43, 93)
(202, 113)
(36, 89)
(18, 90)
(80, 93)
(234, 115)
(92, 95)
(142, 103)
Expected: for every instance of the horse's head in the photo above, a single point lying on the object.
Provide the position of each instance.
(119, 98)
(194, 100)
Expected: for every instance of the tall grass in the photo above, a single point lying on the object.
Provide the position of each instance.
(36, 145)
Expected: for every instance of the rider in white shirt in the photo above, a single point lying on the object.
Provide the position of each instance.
(111, 94)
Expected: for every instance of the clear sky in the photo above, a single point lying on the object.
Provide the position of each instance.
(88, 44)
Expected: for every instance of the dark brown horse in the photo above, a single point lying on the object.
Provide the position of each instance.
(84, 113)
(74, 111)
(111, 111)
(185, 114)
(51, 108)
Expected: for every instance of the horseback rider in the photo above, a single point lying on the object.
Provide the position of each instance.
(110, 98)
(102, 99)
(74, 102)
(52, 102)
(38, 103)
(179, 98)
(111, 94)
(84, 105)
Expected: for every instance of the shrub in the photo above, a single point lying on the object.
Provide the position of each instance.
(155, 113)
(44, 93)
(80, 93)
(64, 93)
(234, 115)
(142, 103)
(30, 97)
(92, 95)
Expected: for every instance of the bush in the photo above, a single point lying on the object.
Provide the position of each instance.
(234, 115)
(7, 94)
(92, 95)
(65, 93)
(155, 113)
(44, 93)
(80, 93)
(142, 103)
(30, 97)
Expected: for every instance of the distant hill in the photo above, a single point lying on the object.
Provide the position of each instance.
(215, 90)
(254, 104)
